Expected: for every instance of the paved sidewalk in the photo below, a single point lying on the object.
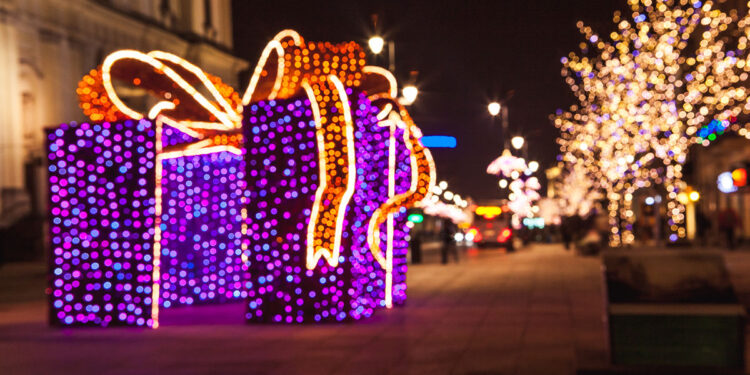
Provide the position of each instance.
(537, 311)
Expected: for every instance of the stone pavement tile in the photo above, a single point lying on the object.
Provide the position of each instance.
(315, 332)
(22, 282)
(589, 327)
(503, 318)
(422, 368)
(548, 360)
(510, 300)
(509, 303)
(392, 345)
(23, 331)
(582, 325)
(534, 336)
(549, 307)
(463, 318)
(541, 366)
(407, 332)
(450, 335)
(550, 319)
(392, 348)
(497, 338)
(375, 363)
(306, 367)
(23, 312)
(591, 357)
(130, 357)
(348, 343)
(205, 332)
(426, 314)
(487, 362)
(588, 310)
(427, 352)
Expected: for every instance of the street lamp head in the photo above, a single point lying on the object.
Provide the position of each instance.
(410, 93)
(494, 108)
(694, 196)
(517, 142)
(376, 44)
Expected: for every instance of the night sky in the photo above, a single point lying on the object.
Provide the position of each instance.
(467, 54)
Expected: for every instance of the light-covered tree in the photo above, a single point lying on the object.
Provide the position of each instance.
(646, 90)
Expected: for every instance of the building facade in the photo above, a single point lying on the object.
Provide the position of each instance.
(46, 46)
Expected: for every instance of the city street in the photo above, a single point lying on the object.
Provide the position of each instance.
(345, 187)
(537, 311)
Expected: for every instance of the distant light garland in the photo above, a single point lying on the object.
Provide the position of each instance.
(506, 164)
(523, 187)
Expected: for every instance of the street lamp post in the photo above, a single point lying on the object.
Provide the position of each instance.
(496, 108)
(505, 124)
(520, 144)
(377, 44)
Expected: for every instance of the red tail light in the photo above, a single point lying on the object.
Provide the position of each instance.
(504, 235)
(476, 236)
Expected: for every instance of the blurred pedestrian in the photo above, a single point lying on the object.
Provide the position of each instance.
(703, 227)
(728, 220)
(566, 230)
(449, 242)
(415, 243)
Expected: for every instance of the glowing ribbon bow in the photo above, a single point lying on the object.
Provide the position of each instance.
(180, 87)
(422, 166)
(324, 71)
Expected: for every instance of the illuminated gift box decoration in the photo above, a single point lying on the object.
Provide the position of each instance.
(102, 222)
(315, 231)
(349, 165)
(201, 245)
(184, 174)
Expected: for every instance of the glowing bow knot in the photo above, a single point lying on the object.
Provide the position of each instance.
(324, 71)
(194, 102)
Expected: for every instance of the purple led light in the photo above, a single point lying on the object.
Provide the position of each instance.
(101, 180)
(201, 246)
